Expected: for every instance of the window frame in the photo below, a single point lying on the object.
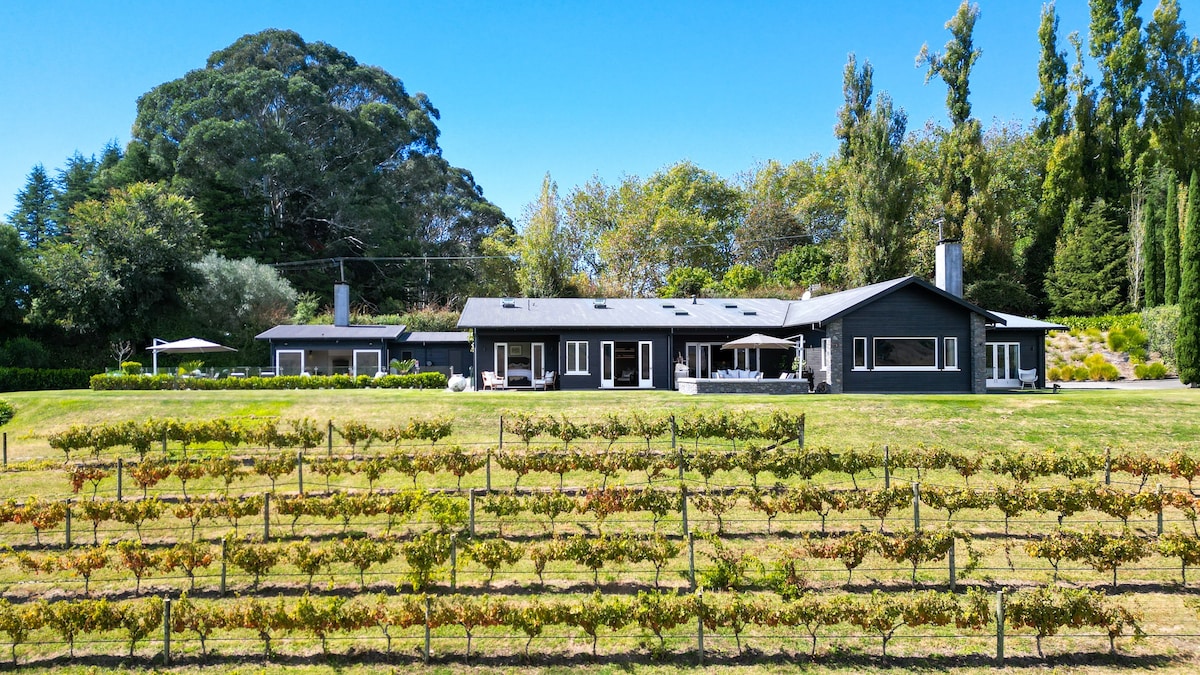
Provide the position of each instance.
(909, 368)
(854, 354)
(950, 353)
(570, 368)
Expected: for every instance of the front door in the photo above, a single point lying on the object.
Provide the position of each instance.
(1003, 359)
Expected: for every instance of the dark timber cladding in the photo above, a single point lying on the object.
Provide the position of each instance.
(907, 312)
(902, 335)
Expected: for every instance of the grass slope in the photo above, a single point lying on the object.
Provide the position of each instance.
(1152, 420)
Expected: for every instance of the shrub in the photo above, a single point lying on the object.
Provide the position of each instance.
(1067, 373)
(1128, 339)
(1161, 325)
(156, 382)
(131, 368)
(1081, 375)
(6, 412)
(1054, 374)
(1076, 324)
(1150, 371)
(41, 379)
(1099, 369)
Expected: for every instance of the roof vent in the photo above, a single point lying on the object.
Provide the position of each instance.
(731, 305)
(681, 312)
(599, 303)
(508, 302)
(668, 305)
(750, 312)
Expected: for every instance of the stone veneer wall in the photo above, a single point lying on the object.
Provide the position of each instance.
(833, 331)
(978, 357)
(693, 385)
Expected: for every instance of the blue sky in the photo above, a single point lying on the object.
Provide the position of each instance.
(572, 88)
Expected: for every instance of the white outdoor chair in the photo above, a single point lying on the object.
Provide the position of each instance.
(490, 381)
(1028, 377)
(545, 382)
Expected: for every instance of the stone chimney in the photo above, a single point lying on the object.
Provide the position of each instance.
(341, 302)
(949, 267)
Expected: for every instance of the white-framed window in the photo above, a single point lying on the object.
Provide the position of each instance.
(950, 353)
(905, 353)
(826, 353)
(577, 358)
(289, 361)
(860, 353)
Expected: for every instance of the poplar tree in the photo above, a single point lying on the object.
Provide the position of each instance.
(1051, 98)
(964, 171)
(1187, 342)
(1173, 60)
(879, 187)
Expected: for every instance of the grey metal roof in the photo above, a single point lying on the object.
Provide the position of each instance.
(1012, 321)
(828, 307)
(325, 332)
(436, 336)
(753, 313)
(741, 313)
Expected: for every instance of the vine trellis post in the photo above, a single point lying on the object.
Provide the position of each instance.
(1000, 627)
(166, 631)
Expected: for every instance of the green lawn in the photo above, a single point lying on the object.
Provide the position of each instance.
(1152, 420)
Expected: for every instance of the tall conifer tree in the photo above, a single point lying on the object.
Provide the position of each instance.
(1152, 267)
(1187, 342)
(1171, 243)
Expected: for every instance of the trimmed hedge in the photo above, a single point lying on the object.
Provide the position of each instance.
(153, 382)
(40, 379)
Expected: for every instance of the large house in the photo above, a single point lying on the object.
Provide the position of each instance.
(902, 335)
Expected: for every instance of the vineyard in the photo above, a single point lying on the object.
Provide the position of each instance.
(695, 537)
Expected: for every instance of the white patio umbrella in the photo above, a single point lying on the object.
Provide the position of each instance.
(759, 341)
(190, 345)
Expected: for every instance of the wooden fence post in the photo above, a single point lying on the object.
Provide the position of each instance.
(489, 471)
(454, 563)
(329, 438)
(674, 430)
(266, 517)
(916, 489)
(224, 557)
(120, 478)
(1108, 466)
(67, 525)
(887, 468)
(692, 560)
(700, 627)
(953, 575)
(427, 613)
(300, 472)
(471, 513)
(166, 631)
(800, 433)
(683, 509)
(1160, 509)
(1000, 627)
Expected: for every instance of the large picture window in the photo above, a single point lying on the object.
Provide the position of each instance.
(906, 353)
(577, 358)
